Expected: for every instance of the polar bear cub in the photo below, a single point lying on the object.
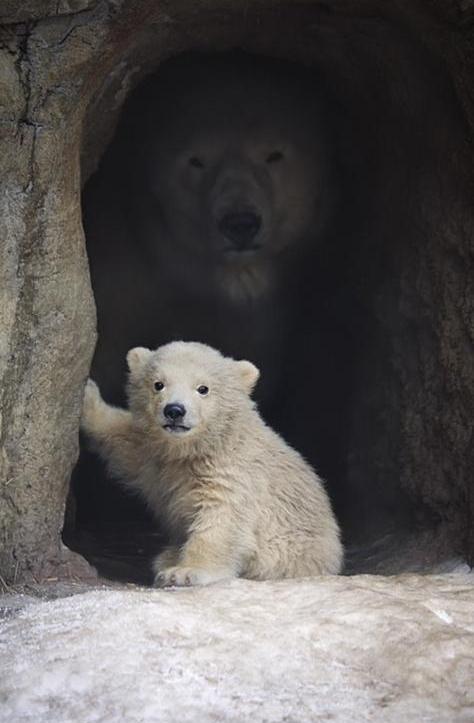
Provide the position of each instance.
(233, 497)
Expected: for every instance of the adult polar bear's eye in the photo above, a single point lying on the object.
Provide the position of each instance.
(196, 162)
(274, 157)
(203, 390)
(159, 386)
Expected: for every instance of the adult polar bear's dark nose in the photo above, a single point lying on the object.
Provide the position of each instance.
(241, 229)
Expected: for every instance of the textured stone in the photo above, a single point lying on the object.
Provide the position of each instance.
(12, 11)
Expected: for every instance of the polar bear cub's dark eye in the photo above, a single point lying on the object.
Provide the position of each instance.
(196, 162)
(274, 157)
(203, 390)
(159, 386)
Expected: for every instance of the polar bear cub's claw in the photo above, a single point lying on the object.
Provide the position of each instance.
(187, 576)
(91, 405)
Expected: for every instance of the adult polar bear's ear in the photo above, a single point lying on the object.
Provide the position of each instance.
(137, 357)
(248, 373)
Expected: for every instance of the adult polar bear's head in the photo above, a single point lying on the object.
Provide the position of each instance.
(236, 166)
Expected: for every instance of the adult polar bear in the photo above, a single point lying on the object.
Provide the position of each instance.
(206, 204)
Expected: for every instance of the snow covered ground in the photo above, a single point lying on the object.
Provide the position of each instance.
(345, 649)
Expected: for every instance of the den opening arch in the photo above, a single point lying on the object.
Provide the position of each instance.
(392, 128)
(405, 255)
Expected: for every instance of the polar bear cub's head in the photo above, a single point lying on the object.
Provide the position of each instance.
(186, 389)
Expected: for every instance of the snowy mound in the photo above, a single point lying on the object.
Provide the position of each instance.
(344, 649)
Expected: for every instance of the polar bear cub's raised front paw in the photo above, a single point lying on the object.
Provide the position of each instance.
(91, 406)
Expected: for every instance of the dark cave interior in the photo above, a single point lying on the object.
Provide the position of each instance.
(355, 382)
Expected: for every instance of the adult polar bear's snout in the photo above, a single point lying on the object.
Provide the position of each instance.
(240, 208)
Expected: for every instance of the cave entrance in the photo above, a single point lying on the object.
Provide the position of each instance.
(352, 330)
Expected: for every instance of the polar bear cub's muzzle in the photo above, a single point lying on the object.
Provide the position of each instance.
(175, 416)
(180, 412)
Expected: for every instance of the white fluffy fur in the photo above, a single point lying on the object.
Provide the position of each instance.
(235, 499)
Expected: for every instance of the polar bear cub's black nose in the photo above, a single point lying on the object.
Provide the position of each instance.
(174, 411)
(240, 228)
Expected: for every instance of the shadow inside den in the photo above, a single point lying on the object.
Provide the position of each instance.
(244, 203)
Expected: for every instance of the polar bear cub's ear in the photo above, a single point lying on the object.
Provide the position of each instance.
(248, 373)
(137, 357)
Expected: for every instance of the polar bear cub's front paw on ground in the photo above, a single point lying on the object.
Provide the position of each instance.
(187, 576)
